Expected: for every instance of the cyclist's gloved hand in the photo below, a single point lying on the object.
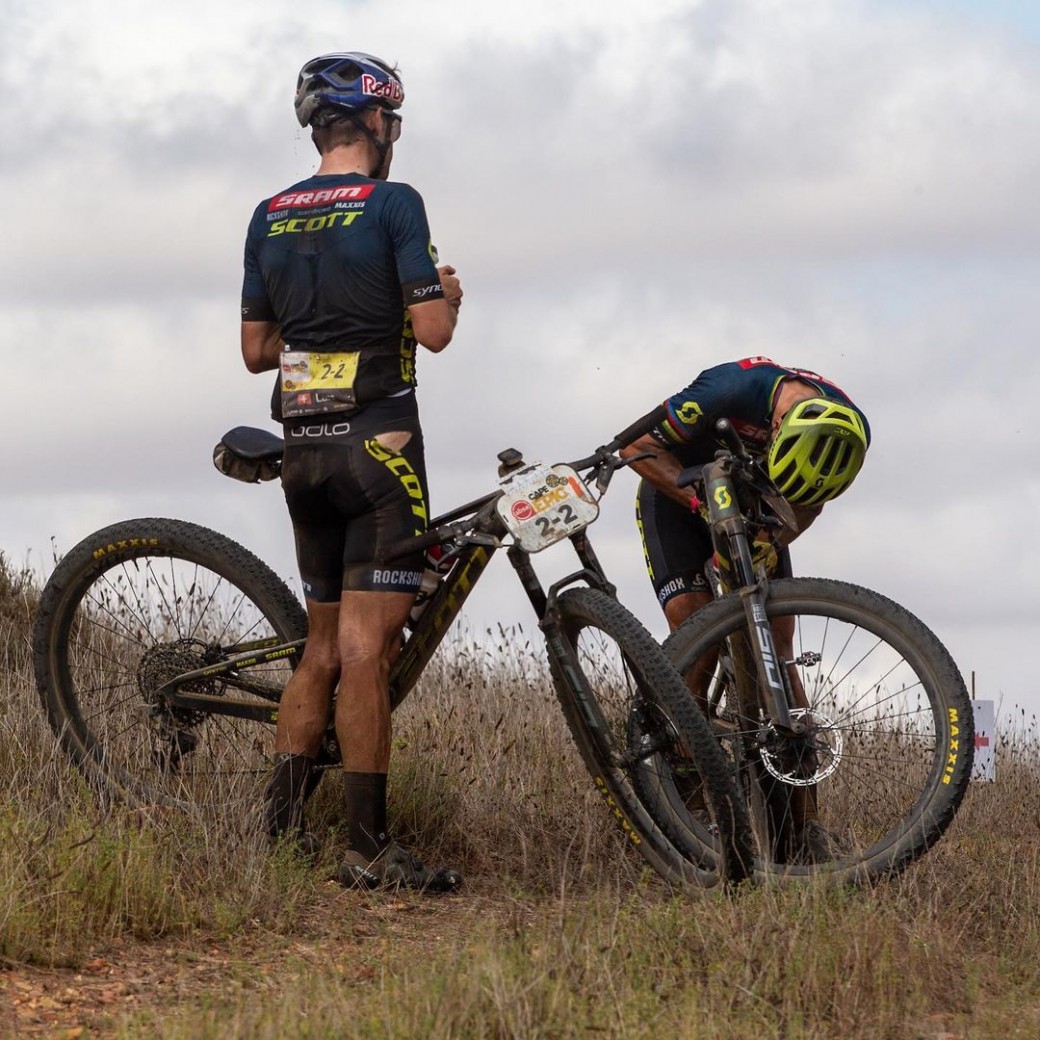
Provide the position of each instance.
(763, 554)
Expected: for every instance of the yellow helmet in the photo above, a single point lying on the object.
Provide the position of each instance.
(817, 451)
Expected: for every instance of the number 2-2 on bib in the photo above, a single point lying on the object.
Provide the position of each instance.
(314, 383)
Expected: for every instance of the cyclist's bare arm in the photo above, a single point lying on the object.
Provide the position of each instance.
(664, 468)
(433, 321)
(804, 515)
(661, 471)
(261, 345)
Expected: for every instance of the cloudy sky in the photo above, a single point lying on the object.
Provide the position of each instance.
(630, 193)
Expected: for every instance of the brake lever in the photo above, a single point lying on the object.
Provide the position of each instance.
(611, 464)
(781, 509)
(636, 458)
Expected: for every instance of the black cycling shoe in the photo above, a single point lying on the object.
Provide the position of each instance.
(396, 867)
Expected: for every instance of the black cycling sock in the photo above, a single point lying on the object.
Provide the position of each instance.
(283, 799)
(365, 800)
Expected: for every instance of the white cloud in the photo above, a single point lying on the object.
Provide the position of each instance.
(630, 195)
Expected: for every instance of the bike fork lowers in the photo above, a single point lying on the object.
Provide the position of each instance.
(725, 518)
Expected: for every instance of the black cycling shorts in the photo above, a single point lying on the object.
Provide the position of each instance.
(677, 545)
(350, 497)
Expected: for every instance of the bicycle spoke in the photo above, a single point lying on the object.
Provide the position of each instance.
(137, 625)
(851, 786)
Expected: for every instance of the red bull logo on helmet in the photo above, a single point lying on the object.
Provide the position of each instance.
(389, 90)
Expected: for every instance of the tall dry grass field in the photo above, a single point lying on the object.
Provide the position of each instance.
(560, 932)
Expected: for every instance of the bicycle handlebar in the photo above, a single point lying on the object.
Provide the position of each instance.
(724, 428)
(749, 472)
(639, 427)
(602, 456)
(642, 425)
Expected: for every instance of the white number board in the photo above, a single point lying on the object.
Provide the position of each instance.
(542, 504)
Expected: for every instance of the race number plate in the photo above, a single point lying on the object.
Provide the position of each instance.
(543, 504)
(314, 383)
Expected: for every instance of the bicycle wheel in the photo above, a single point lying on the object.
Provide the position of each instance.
(887, 742)
(635, 725)
(127, 611)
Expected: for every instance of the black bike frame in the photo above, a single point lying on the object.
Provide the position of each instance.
(479, 530)
(419, 647)
(730, 536)
(429, 632)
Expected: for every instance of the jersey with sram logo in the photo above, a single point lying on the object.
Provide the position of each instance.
(745, 393)
(335, 260)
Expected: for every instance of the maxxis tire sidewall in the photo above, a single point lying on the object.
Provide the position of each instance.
(923, 650)
(111, 547)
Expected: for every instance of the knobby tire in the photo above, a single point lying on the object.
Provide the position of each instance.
(130, 608)
(891, 715)
(633, 719)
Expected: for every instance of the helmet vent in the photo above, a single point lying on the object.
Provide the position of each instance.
(344, 74)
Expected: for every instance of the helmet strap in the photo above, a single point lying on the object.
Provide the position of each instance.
(381, 145)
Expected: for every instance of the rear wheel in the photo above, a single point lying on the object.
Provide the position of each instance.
(125, 613)
(642, 736)
(884, 755)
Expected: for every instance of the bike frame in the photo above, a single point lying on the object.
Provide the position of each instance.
(421, 644)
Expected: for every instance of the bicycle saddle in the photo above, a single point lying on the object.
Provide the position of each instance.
(248, 442)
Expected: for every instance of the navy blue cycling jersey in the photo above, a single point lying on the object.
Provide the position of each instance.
(335, 260)
(745, 392)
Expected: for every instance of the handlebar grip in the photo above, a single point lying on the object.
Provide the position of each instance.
(640, 426)
(724, 428)
(690, 475)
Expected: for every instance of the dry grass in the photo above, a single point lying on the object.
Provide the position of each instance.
(561, 933)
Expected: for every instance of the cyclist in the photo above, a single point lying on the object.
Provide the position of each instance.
(813, 439)
(341, 281)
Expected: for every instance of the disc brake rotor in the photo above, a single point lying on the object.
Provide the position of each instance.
(807, 759)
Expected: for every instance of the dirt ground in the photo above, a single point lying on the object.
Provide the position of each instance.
(126, 976)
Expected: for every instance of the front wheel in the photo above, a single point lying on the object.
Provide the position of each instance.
(880, 757)
(642, 736)
(128, 611)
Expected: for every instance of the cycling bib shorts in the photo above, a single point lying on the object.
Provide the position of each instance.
(350, 496)
(677, 546)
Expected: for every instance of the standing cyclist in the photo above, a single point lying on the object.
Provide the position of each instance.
(813, 439)
(340, 284)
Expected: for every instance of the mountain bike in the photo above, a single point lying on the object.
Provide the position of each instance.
(161, 649)
(844, 718)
